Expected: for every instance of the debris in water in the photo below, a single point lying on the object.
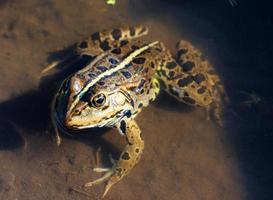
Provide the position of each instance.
(111, 2)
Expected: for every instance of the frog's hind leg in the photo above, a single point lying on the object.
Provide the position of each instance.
(98, 43)
(192, 80)
(128, 158)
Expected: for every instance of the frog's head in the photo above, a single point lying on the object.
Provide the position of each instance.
(95, 106)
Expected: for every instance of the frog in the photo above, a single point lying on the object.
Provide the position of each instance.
(124, 74)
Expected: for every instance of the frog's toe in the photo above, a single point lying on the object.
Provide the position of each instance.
(99, 169)
(102, 179)
(110, 177)
(215, 111)
(107, 188)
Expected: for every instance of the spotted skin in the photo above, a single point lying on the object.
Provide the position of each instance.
(100, 42)
(124, 75)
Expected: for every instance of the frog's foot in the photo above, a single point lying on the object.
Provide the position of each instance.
(107, 170)
(216, 108)
(128, 158)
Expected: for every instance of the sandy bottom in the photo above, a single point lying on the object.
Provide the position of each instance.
(186, 156)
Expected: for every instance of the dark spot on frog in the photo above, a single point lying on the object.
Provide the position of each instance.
(116, 33)
(126, 74)
(105, 45)
(101, 83)
(199, 78)
(92, 75)
(201, 90)
(86, 97)
(132, 103)
(83, 45)
(140, 105)
(134, 47)
(125, 156)
(181, 52)
(163, 72)
(128, 114)
(102, 68)
(141, 84)
(95, 36)
(123, 126)
(123, 42)
(187, 66)
(142, 91)
(132, 31)
(139, 60)
(188, 100)
(152, 65)
(171, 74)
(113, 61)
(118, 171)
(137, 150)
(116, 51)
(171, 65)
(185, 81)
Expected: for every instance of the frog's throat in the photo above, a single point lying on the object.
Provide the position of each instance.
(120, 66)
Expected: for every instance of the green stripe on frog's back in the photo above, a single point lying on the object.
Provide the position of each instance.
(120, 66)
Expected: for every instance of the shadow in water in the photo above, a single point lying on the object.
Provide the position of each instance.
(29, 114)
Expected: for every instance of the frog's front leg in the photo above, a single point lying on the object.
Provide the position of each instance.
(128, 158)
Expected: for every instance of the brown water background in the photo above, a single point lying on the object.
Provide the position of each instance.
(186, 157)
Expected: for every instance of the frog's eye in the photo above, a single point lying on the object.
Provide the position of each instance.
(98, 100)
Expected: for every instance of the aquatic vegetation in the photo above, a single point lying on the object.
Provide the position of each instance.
(111, 2)
(252, 99)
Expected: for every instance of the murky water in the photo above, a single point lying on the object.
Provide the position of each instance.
(186, 156)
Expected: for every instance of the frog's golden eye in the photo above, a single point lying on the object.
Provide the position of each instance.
(98, 100)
